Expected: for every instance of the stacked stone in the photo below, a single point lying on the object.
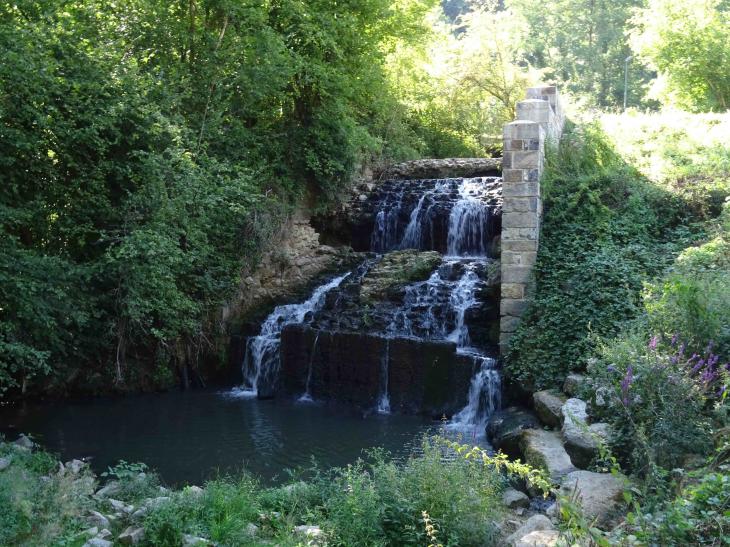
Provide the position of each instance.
(540, 121)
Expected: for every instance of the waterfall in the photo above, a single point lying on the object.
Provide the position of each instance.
(385, 230)
(307, 395)
(461, 299)
(261, 362)
(384, 397)
(483, 400)
(468, 223)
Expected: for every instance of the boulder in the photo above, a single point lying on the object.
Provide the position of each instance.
(97, 519)
(98, 542)
(599, 494)
(581, 440)
(505, 428)
(573, 384)
(514, 499)
(75, 466)
(539, 538)
(544, 449)
(190, 541)
(120, 506)
(534, 523)
(548, 406)
(131, 536)
(24, 442)
(110, 489)
(308, 531)
(396, 269)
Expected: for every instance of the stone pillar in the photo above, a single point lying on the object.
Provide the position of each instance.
(524, 154)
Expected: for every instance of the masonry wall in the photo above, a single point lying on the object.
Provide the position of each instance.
(540, 121)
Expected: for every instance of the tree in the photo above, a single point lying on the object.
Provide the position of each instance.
(688, 43)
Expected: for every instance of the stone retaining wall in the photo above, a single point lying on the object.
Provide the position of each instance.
(539, 122)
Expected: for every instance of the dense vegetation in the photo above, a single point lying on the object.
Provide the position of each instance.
(149, 151)
(633, 286)
(375, 501)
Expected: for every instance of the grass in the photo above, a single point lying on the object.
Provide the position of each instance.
(373, 502)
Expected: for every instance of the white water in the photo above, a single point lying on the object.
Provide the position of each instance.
(461, 299)
(483, 399)
(307, 395)
(384, 398)
(468, 223)
(262, 352)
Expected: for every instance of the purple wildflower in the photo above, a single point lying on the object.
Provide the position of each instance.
(653, 342)
(675, 338)
(626, 384)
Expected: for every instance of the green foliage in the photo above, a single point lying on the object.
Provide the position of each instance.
(605, 230)
(582, 46)
(688, 43)
(40, 506)
(654, 401)
(150, 150)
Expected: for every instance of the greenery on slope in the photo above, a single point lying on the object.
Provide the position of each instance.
(149, 150)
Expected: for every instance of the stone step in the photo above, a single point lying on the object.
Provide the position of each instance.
(545, 450)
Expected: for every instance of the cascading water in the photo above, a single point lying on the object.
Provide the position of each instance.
(483, 399)
(261, 361)
(468, 223)
(384, 397)
(307, 395)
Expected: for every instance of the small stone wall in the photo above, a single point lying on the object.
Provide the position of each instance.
(540, 121)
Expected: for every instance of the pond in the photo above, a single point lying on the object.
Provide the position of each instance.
(188, 437)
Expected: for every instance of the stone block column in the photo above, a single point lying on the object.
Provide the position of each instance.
(524, 155)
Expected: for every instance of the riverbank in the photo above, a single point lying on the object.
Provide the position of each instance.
(376, 501)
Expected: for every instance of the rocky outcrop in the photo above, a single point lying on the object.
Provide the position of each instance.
(548, 405)
(356, 221)
(505, 428)
(442, 168)
(395, 270)
(286, 271)
(599, 494)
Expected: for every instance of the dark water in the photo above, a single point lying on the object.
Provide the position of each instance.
(188, 437)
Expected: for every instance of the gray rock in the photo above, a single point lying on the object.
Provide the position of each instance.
(599, 494)
(104, 534)
(97, 519)
(544, 449)
(98, 542)
(5, 462)
(131, 536)
(534, 523)
(574, 384)
(75, 466)
(514, 498)
(120, 506)
(110, 489)
(190, 540)
(309, 531)
(505, 429)
(93, 531)
(193, 490)
(581, 440)
(539, 538)
(252, 530)
(547, 407)
(24, 442)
